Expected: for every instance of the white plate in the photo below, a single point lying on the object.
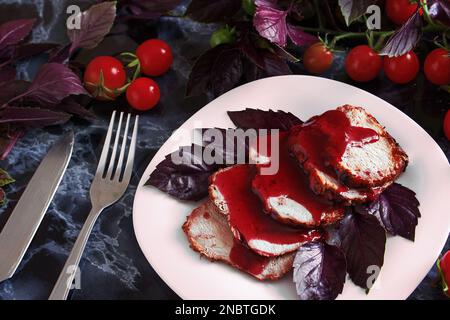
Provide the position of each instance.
(158, 218)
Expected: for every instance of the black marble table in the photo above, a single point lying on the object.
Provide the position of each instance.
(113, 267)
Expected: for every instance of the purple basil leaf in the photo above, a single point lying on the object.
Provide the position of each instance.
(363, 241)
(353, 9)
(218, 70)
(70, 106)
(5, 178)
(150, 9)
(34, 117)
(260, 119)
(274, 65)
(300, 37)
(213, 11)
(405, 38)
(226, 72)
(31, 49)
(271, 24)
(199, 78)
(186, 181)
(9, 135)
(397, 209)
(13, 32)
(11, 89)
(95, 25)
(60, 54)
(7, 73)
(52, 84)
(222, 150)
(319, 271)
(439, 10)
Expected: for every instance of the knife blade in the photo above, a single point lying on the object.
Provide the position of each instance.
(26, 217)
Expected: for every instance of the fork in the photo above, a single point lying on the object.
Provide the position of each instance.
(110, 183)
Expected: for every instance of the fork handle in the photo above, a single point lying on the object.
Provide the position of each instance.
(65, 279)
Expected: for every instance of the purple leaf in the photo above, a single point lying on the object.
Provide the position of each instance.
(300, 37)
(95, 25)
(319, 271)
(439, 10)
(271, 24)
(73, 107)
(260, 119)
(34, 117)
(52, 84)
(11, 89)
(8, 73)
(353, 9)
(397, 209)
(226, 72)
(9, 135)
(13, 32)
(275, 65)
(153, 9)
(31, 49)
(60, 54)
(212, 11)
(363, 241)
(218, 70)
(405, 38)
(187, 180)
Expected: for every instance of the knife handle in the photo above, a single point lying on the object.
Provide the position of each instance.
(65, 279)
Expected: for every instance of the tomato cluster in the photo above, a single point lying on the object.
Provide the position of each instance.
(105, 77)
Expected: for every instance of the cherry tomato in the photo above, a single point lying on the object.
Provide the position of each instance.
(143, 94)
(437, 67)
(113, 74)
(447, 129)
(399, 11)
(402, 69)
(317, 58)
(363, 63)
(444, 270)
(155, 57)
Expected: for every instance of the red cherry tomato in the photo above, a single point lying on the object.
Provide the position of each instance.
(402, 69)
(399, 11)
(317, 58)
(437, 67)
(143, 94)
(113, 74)
(447, 129)
(444, 268)
(363, 63)
(155, 57)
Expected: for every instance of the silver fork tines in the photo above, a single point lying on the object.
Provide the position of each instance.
(110, 183)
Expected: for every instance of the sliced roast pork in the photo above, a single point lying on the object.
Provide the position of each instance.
(286, 194)
(230, 190)
(347, 154)
(209, 234)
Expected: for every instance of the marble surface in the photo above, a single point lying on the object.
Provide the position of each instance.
(113, 266)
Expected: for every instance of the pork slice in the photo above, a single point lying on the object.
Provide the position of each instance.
(230, 190)
(209, 234)
(373, 164)
(286, 194)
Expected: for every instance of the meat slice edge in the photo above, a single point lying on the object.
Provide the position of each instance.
(209, 234)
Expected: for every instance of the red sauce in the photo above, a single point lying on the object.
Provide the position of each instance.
(324, 138)
(291, 182)
(246, 212)
(245, 259)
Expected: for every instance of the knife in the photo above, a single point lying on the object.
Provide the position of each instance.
(21, 226)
